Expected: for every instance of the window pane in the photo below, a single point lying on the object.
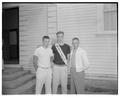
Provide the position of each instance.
(110, 17)
(110, 21)
(13, 38)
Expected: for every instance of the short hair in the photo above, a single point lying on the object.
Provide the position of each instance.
(75, 38)
(60, 32)
(45, 37)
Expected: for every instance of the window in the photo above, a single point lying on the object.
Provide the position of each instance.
(110, 17)
(107, 18)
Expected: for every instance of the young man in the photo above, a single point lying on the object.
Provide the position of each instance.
(79, 63)
(61, 57)
(42, 64)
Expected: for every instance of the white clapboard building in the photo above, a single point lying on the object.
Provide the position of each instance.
(94, 23)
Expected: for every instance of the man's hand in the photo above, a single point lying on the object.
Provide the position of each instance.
(85, 68)
(35, 60)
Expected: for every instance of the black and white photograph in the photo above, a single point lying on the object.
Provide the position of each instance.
(59, 48)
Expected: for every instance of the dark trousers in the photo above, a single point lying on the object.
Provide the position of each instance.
(77, 82)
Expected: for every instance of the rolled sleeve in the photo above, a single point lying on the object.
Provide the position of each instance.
(36, 52)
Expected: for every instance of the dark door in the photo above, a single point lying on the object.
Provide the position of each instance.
(10, 35)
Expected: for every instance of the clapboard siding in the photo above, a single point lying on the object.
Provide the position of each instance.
(80, 20)
(52, 21)
(76, 20)
(33, 25)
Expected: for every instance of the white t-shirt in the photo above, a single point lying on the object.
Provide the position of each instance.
(43, 55)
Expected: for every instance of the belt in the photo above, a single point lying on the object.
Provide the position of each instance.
(45, 67)
(63, 65)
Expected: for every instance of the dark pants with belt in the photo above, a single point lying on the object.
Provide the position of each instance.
(77, 81)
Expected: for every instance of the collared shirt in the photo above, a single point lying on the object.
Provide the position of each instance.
(43, 55)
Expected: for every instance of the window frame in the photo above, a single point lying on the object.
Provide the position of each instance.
(100, 21)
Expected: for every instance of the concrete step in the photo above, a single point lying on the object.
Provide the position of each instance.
(13, 76)
(11, 70)
(21, 89)
(18, 82)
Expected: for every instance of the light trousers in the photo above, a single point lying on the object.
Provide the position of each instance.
(77, 81)
(43, 76)
(60, 77)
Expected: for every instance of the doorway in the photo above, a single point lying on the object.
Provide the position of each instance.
(10, 35)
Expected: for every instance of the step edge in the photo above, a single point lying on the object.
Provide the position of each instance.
(14, 86)
(18, 90)
(14, 77)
